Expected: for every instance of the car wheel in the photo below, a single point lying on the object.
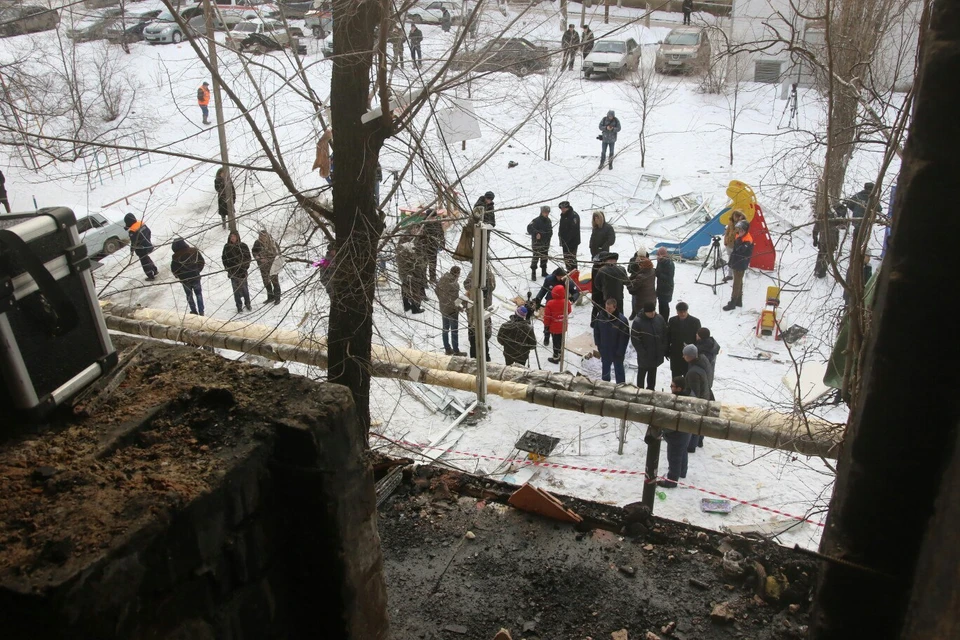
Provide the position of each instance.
(522, 69)
(112, 245)
(177, 37)
(586, 74)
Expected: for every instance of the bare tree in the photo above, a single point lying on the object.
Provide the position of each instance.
(647, 91)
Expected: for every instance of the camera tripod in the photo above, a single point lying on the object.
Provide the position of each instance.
(792, 107)
(713, 258)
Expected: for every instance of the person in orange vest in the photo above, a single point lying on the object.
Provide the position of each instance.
(203, 99)
(739, 263)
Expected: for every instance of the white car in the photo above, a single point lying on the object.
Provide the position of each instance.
(164, 30)
(612, 57)
(432, 12)
(101, 236)
(261, 30)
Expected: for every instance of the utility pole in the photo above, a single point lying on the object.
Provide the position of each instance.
(218, 106)
(480, 235)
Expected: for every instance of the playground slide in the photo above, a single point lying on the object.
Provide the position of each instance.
(743, 198)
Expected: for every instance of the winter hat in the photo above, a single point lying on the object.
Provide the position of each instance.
(743, 225)
(690, 351)
(610, 113)
(206, 84)
(455, 270)
(522, 311)
(128, 220)
(178, 245)
(565, 203)
(489, 194)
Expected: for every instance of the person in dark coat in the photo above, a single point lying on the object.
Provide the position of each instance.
(677, 442)
(699, 381)
(858, 206)
(609, 128)
(602, 235)
(553, 320)
(396, 42)
(739, 263)
(412, 271)
(486, 203)
(517, 337)
(681, 331)
(687, 8)
(586, 40)
(236, 260)
(649, 337)
(609, 283)
(431, 241)
(445, 20)
(613, 336)
(265, 252)
(570, 43)
(415, 38)
(540, 230)
(826, 237)
(141, 244)
(448, 297)
(559, 276)
(3, 192)
(642, 284)
(223, 200)
(665, 271)
(707, 345)
(186, 265)
(568, 231)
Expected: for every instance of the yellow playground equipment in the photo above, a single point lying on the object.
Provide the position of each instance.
(768, 323)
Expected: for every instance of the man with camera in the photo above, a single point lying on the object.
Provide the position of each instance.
(609, 127)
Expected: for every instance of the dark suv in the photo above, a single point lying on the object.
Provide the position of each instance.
(514, 55)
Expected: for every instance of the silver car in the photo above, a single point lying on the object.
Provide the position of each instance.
(101, 236)
(163, 30)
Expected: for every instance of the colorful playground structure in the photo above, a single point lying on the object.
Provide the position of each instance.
(741, 197)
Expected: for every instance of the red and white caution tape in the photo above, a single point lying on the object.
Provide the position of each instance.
(606, 470)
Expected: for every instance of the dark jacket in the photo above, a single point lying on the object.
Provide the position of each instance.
(709, 348)
(687, 5)
(187, 262)
(489, 215)
(602, 238)
(665, 271)
(613, 335)
(700, 377)
(140, 239)
(544, 227)
(649, 337)
(569, 231)
(448, 295)
(570, 38)
(431, 233)
(236, 259)
(546, 289)
(609, 283)
(445, 20)
(415, 36)
(517, 337)
(742, 252)
(679, 334)
(412, 270)
(643, 285)
(3, 185)
(609, 135)
(858, 204)
(587, 42)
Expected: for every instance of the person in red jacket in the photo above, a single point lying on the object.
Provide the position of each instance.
(553, 318)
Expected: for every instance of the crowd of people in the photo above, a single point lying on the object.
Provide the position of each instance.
(187, 264)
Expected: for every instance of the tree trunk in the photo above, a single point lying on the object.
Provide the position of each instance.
(356, 149)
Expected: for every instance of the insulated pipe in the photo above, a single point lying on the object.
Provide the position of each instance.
(664, 411)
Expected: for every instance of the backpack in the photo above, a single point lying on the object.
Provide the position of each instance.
(200, 94)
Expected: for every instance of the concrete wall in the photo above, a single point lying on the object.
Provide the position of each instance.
(283, 543)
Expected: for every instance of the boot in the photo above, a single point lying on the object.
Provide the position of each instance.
(553, 360)
(667, 484)
(533, 274)
(730, 306)
(610, 166)
(276, 296)
(406, 304)
(602, 160)
(415, 308)
(543, 272)
(448, 351)
(740, 301)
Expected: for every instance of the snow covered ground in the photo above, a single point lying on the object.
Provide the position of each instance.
(688, 142)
